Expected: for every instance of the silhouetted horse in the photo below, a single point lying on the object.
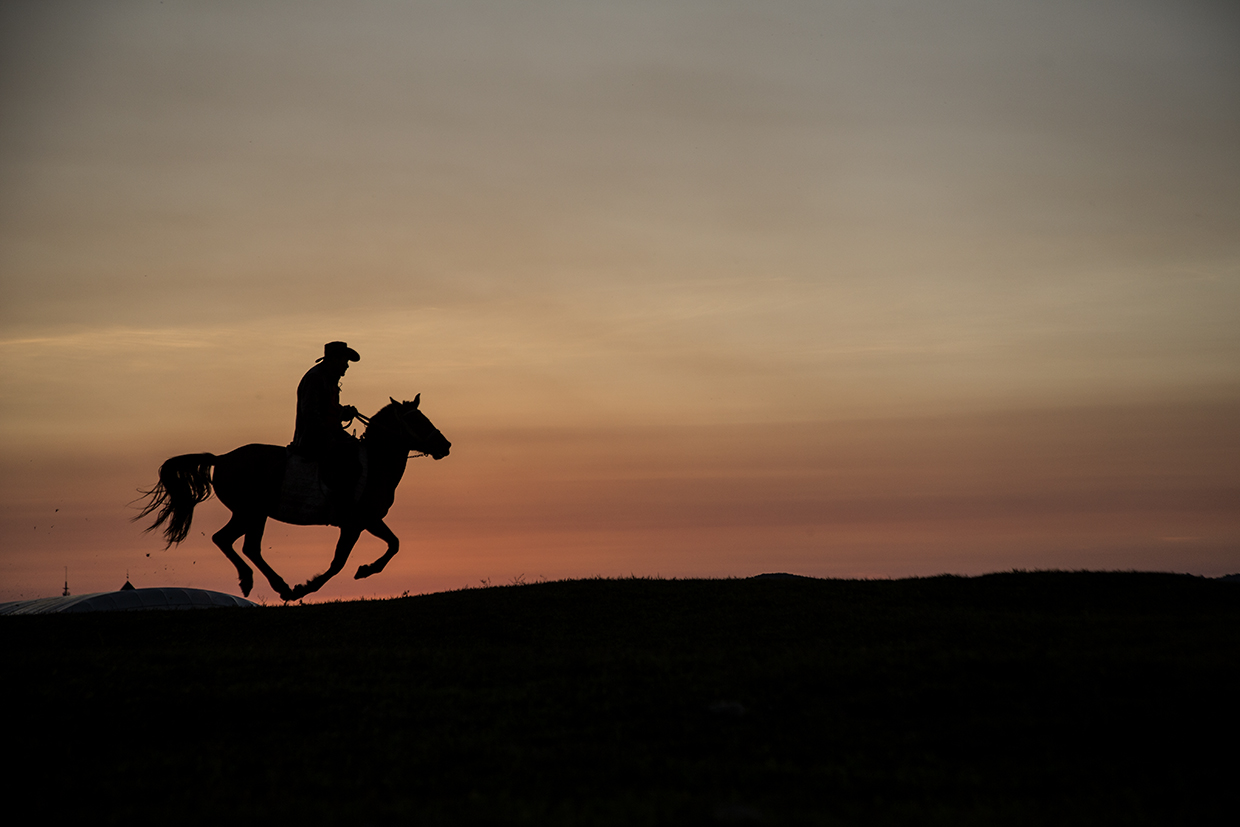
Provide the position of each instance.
(248, 481)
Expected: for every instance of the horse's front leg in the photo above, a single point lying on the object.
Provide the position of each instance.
(380, 530)
(344, 546)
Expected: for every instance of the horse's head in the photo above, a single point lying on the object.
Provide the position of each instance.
(411, 427)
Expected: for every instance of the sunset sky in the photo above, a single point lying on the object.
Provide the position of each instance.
(704, 288)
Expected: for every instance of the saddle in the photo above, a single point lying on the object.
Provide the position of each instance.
(305, 499)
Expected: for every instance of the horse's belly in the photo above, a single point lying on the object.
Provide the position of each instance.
(303, 498)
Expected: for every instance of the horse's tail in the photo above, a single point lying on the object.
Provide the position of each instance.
(184, 482)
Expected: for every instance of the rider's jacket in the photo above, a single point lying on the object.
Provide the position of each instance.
(319, 412)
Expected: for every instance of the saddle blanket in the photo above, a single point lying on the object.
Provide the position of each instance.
(304, 499)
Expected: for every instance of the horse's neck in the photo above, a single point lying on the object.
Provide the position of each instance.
(387, 460)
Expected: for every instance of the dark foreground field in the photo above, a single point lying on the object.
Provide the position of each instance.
(1024, 698)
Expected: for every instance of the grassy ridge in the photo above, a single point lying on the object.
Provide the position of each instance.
(1017, 698)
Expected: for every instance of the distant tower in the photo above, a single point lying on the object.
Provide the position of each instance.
(66, 594)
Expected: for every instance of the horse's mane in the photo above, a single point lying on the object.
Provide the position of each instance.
(387, 412)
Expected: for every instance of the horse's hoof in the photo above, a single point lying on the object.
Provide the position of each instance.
(362, 572)
(246, 588)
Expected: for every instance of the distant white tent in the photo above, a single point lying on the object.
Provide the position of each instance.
(127, 600)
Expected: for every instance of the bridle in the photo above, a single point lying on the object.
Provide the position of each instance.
(404, 425)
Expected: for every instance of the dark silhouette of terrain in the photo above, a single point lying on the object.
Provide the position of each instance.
(1020, 698)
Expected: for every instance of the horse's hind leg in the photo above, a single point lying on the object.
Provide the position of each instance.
(224, 538)
(380, 530)
(253, 548)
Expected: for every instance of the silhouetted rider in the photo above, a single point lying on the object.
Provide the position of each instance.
(318, 434)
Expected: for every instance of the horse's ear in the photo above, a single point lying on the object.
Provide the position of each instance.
(416, 400)
(394, 402)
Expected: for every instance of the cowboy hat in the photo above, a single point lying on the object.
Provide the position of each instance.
(339, 350)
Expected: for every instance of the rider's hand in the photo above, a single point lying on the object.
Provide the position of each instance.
(349, 411)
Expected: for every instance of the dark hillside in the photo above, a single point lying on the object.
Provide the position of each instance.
(1023, 698)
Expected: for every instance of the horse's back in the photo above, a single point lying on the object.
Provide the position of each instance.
(255, 454)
